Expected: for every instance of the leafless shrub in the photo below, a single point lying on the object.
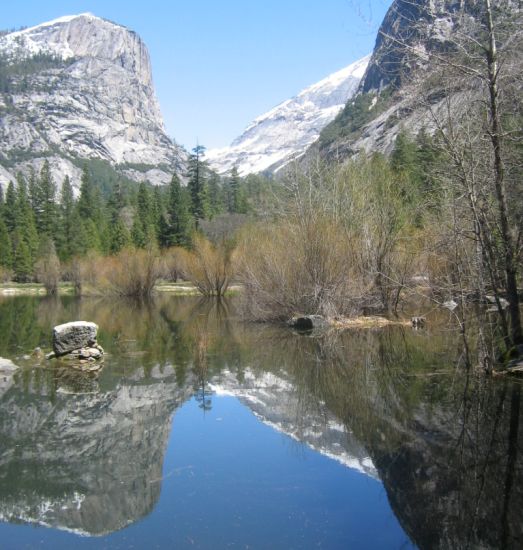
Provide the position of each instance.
(290, 267)
(47, 267)
(209, 267)
(5, 274)
(132, 272)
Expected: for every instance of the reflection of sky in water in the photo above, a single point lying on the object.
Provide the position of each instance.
(230, 479)
(281, 456)
(245, 483)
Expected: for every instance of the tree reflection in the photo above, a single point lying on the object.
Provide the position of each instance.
(445, 442)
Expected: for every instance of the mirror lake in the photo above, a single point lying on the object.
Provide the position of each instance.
(203, 431)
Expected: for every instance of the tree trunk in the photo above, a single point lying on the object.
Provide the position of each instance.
(516, 333)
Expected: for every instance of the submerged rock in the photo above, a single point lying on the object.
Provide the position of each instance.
(308, 322)
(73, 336)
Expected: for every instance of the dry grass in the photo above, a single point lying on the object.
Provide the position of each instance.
(371, 321)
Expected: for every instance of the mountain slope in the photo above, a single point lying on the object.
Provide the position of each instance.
(80, 87)
(286, 131)
(402, 87)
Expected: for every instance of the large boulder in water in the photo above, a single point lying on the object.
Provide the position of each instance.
(72, 336)
(7, 370)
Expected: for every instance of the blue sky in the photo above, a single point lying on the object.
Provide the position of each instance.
(219, 64)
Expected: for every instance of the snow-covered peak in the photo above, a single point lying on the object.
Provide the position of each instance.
(57, 21)
(335, 80)
(274, 401)
(77, 36)
(287, 130)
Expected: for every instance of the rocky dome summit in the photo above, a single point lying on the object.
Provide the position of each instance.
(81, 87)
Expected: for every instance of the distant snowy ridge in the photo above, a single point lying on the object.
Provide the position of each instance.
(287, 130)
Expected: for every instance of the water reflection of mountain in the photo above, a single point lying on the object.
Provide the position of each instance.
(390, 402)
(275, 401)
(88, 462)
(447, 445)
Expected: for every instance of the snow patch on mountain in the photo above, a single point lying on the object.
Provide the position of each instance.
(287, 130)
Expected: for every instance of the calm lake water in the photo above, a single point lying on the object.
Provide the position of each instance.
(205, 432)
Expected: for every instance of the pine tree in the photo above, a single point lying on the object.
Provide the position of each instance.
(90, 211)
(25, 221)
(216, 205)
(32, 188)
(177, 223)
(197, 183)
(157, 211)
(6, 253)
(237, 202)
(91, 236)
(120, 237)
(143, 231)
(43, 194)
(67, 227)
(10, 208)
(86, 199)
(137, 234)
(79, 242)
(22, 263)
(404, 158)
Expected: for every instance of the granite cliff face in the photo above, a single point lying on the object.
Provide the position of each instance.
(404, 86)
(81, 87)
(409, 29)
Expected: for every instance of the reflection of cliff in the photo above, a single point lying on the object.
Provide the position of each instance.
(389, 402)
(456, 479)
(447, 447)
(88, 462)
(277, 403)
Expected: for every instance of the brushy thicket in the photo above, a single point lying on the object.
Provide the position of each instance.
(343, 243)
(291, 267)
(131, 272)
(210, 267)
(47, 267)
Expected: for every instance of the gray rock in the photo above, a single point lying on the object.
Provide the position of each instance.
(72, 336)
(98, 103)
(89, 353)
(418, 322)
(308, 322)
(7, 366)
(7, 370)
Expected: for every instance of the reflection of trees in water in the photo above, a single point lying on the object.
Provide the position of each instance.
(446, 443)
